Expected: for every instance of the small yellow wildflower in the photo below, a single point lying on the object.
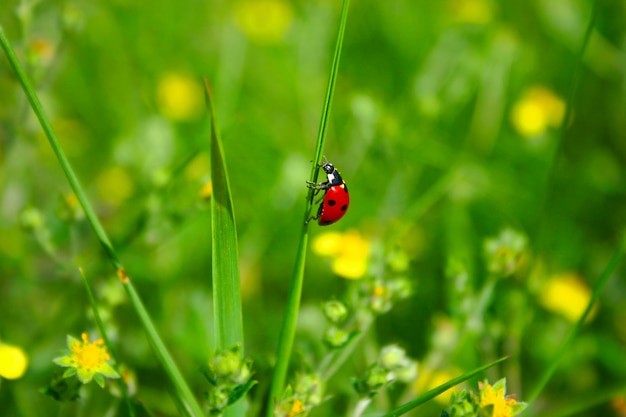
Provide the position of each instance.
(566, 294)
(495, 398)
(207, 190)
(198, 167)
(264, 21)
(471, 11)
(87, 360)
(618, 404)
(115, 185)
(296, 408)
(179, 97)
(327, 243)
(537, 110)
(13, 361)
(349, 252)
(40, 52)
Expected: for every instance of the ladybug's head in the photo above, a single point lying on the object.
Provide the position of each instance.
(328, 167)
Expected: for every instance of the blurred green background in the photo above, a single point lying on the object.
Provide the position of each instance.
(445, 125)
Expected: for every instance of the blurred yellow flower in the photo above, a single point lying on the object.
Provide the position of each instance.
(430, 379)
(13, 361)
(115, 185)
(618, 404)
(537, 110)
(264, 21)
(40, 52)
(297, 408)
(349, 252)
(179, 97)
(327, 243)
(206, 190)
(198, 167)
(566, 294)
(471, 11)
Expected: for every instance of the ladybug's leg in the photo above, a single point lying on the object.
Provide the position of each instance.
(319, 213)
(317, 187)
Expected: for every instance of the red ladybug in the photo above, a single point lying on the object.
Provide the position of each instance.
(336, 198)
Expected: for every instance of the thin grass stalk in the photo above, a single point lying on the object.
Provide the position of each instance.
(288, 329)
(192, 408)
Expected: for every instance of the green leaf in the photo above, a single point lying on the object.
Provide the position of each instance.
(240, 390)
(227, 320)
(226, 294)
(405, 408)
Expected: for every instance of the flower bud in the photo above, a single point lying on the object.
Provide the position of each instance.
(335, 311)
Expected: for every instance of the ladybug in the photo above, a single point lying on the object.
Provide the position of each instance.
(336, 198)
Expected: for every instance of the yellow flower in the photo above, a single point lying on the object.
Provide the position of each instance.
(537, 110)
(207, 190)
(179, 97)
(349, 252)
(264, 21)
(115, 185)
(471, 11)
(198, 167)
(566, 294)
(296, 408)
(495, 398)
(87, 360)
(13, 361)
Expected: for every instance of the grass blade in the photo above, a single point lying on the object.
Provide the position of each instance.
(192, 408)
(227, 317)
(226, 293)
(606, 274)
(405, 408)
(288, 329)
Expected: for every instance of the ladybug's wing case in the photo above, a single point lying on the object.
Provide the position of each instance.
(335, 204)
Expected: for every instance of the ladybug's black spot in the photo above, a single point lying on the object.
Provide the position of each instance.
(327, 222)
(331, 202)
(344, 207)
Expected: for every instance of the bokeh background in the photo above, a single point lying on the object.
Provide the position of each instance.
(445, 125)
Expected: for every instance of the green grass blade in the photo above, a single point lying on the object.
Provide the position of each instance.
(597, 289)
(328, 99)
(192, 408)
(288, 329)
(227, 317)
(226, 295)
(405, 408)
